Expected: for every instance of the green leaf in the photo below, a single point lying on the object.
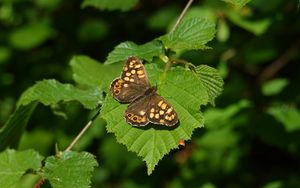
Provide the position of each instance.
(11, 132)
(216, 117)
(191, 34)
(211, 80)
(145, 51)
(257, 27)
(288, 116)
(274, 184)
(219, 139)
(274, 86)
(5, 54)
(88, 71)
(123, 5)
(185, 93)
(31, 36)
(92, 30)
(223, 30)
(14, 164)
(162, 17)
(237, 3)
(51, 92)
(70, 169)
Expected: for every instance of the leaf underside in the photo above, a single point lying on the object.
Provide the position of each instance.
(211, 80)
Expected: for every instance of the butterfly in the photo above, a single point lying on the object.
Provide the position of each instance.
(145, 105)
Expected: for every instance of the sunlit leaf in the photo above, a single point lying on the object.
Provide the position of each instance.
(216, 117)
(51, 92)
(237, 3)
(145, 51)
(14, 164)
(88, 71)
(257, 27)
(185, 93)
(70, 169)
(191, 34)
(223, 30)
(288, 116)
(274, 86)
(212, 81)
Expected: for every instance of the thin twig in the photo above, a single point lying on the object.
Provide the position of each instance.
(85, 128)
(181, 15)
(187, 6)
(279, 63)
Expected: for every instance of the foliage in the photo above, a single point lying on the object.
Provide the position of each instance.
(249, 135)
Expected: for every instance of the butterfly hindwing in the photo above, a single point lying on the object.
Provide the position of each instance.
(132, 83)
(161, 112)
(152, 108)
(136, 113)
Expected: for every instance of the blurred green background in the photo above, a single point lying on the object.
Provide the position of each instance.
(251, 138)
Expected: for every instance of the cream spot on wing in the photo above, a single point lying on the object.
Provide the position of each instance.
(151, 115)
(161, 121)
(125, 85)
(152, 110)
(125, 68)
(142, 112)
(156, 116)
(140, 72)
(131, 80)
(137, 66)
(160, 102)
(167, 117)
(164, 106)
(126, 78)
(133, 71)
(127, 74)
(161, 112)
(141, 76)
(143, 119)
(169, 110)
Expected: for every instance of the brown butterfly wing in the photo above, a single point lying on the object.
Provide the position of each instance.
(136, 113)
(161, 112)
(151, 108)
(133, 81)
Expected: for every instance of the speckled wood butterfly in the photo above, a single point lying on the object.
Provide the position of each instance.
(145, 104)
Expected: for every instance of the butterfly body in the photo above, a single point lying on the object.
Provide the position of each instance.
(145, 104)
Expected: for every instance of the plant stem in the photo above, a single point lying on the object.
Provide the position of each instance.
(85, 128)
(187, 6)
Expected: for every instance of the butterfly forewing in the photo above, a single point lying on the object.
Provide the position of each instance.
(133, 81)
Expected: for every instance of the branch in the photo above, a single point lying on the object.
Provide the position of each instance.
(187, 6)
(279, 63)
(85, 128)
